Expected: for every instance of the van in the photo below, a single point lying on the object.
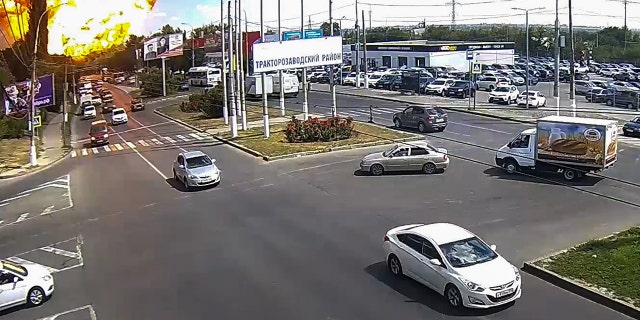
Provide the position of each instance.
(291, 85)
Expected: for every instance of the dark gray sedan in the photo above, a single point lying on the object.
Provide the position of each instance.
(423, 118)
(632, 128)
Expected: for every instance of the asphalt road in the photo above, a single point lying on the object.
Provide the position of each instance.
(292, 239)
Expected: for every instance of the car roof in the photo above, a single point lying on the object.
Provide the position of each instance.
(118, 109)
(193, 154)
(442, 233)
(99, 122)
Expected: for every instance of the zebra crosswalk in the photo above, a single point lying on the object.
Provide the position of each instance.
(629, 140)
(377, 111)
(142, 143)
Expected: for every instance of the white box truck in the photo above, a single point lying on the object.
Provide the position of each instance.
(291, 85)
(568, 145)
(253, 84)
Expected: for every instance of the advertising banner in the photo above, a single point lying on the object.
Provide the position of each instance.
(274, 56)
(18, 95)
(570, 142)
(165, 46)
(313, 34)
(308, 34)
(291, 35)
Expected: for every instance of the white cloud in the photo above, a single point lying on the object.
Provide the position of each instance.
(175, 18)
(159, 14)
(208, 12)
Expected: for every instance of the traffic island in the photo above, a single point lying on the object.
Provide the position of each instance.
(605, 270)
(14, 154)
(278, 147)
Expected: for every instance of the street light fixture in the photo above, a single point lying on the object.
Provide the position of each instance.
(193, 44)
(526, 11)
(33, 159)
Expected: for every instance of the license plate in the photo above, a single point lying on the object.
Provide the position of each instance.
(504, 293)
(439, 120)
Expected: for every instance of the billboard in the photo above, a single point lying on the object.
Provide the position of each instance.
(296, 35)
(165, 46)
(274, 56)
(18, 96)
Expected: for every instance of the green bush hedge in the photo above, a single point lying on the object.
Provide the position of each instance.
(209, 102)
(12, 128)
(319, 130)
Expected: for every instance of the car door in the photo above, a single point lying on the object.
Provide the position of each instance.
(406, 117)
(411, 257)
(179, 167)
(436, 275)
(12, 290)
(417, 158)
(522, 150)
(417, 114)
(398, 160)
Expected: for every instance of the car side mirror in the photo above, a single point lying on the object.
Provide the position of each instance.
(435, 262)
(181, 166)
(493, 247)
(16, 279)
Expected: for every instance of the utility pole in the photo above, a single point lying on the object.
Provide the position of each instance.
(236, 59)
(369, 17)
(305, 93)
(364, 50)
(334, 107)
(572, 67)
(265, 106)
(625, 23)
(357, 48)
(232, 97)
(243, 100)
(65, 88)
(225, 104)
(556, 74)
(283, 112)
(526, 25)
(453, 13)
(308, 26)
(73, 79)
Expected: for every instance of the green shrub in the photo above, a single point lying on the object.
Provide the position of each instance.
(12, 128)
(319, 130)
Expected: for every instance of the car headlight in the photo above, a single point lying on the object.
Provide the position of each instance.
(459, 89)
(47, 278)
(93, 138)
(106, 135)
(192, 177)
(517, 272)
(472, 286)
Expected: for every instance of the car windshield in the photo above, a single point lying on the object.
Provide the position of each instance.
(117, 112)
(459, 84)
(98, 129)
(467, 252)
(91, 108)
(636, 120)
(390, 151)
(531, 94)
(502, 89)
(375, 76)
(197, 162)
(438, 82)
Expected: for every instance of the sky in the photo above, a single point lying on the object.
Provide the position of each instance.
(596, 13)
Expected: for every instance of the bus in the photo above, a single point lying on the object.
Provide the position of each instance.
(204, 76)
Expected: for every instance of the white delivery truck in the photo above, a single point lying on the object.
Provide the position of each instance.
(253, 84)
(568, 145)
(291, 85)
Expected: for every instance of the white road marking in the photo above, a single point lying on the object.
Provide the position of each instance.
(156, 141)
(133, 147)
(169, 139)
(318, 166)
(143, 127)
(203, 134)
(84, 152)
(263, 186)
(47, 210)
(481, 128)
(143, 143)
(118, 146)
(1, 221)
(73, 153)
(89, 308)
(181, 137)
(61, 252)
(157, 135)
(23, 261)
(107, 149)
(94, 150)
(130, 144)
(22, 217)
(17, 197)
(196, 136)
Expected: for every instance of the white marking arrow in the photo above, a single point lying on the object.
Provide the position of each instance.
(47, 210)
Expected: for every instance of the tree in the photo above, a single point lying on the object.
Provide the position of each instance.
(151, 83)
(206, 30)
(326, 31)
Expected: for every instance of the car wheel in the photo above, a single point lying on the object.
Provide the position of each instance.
(394, 265)
(570, 174)
(185, 183)
(397, 123)
(453, 296)
(491, 88)
(376, 170)
(609, 102)
(35, 297)
(511, 166)
(630, 106)
(175, 177)
(464, 95)
(429, 168)
(421, 127)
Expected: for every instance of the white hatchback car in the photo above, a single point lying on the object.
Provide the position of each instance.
(454, 262)
(29, 284)
(536, 99)
(119, 115)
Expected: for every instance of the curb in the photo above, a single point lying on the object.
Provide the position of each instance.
(461, 110)
(64, 154)
(574, 287)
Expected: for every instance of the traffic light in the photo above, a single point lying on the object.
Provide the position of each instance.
(582, 55)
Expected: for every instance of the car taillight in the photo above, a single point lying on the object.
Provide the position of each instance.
(430, 118)
(386, 237)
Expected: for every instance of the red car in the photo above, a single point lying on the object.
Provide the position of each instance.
(99, 133)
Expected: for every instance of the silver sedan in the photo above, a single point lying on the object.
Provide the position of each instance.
(413, 156)
(195, 169)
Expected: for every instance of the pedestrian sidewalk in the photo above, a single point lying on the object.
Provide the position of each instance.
(482, 108)
(51, 148)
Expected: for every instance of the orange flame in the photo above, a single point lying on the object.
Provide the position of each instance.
(78, 27)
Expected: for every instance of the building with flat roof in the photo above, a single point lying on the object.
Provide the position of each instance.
(425, 53)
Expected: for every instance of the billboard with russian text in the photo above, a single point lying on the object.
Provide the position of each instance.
(304, 53)
(18, 95)
(165, 46)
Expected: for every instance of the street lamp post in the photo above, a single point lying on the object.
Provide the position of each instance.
(193, 45)
(33, 159)
(526, 13)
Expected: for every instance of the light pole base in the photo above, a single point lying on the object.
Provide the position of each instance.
(265, 119)
(33, 157)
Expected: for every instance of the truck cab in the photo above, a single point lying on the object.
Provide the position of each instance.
(519, 153)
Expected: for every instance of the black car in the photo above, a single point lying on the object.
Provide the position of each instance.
(460, 89)
(632, 128)
(389, 82)
(424, 118)
(597, 95)
(627, 98)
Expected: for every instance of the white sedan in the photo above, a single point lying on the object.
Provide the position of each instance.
(536, 99)
(454, 262)
(29, 284)
(119, 115)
